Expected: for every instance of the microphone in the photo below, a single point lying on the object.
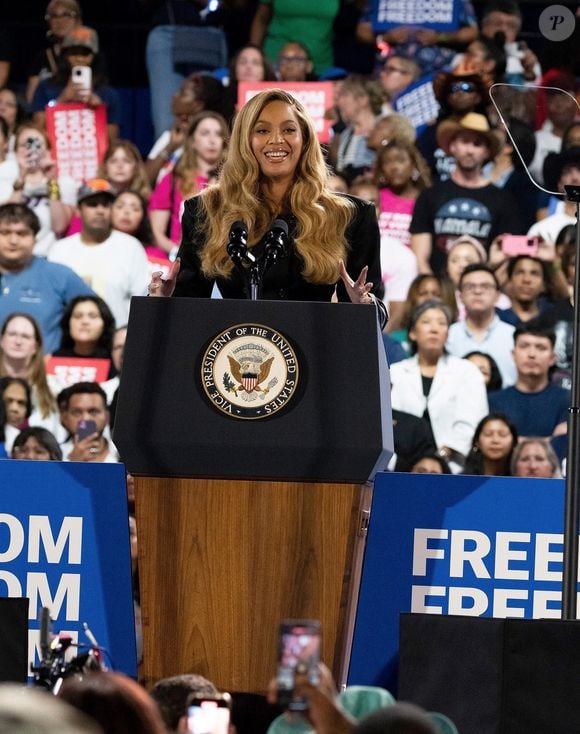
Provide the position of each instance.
(238, 245)
(275, 244)
(44, 632)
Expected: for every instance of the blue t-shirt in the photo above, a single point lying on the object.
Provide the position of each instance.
(47, 93)
(42, 290)
(533, 414)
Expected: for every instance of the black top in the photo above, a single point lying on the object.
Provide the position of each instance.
(284, 280)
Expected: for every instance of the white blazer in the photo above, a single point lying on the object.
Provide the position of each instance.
(457, 400)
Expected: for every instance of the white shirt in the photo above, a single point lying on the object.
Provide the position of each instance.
(115, 269)
(399, 268)
(550, 227)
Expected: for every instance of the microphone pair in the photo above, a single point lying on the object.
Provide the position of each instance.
(274, 244)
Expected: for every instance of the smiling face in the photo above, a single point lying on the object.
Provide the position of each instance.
(277, 141)
(86, 323)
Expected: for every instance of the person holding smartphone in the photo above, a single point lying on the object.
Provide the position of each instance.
(79, 78)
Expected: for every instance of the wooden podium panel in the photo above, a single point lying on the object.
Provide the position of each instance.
(222, 561)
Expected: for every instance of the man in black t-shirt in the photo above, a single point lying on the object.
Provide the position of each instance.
(466, 203)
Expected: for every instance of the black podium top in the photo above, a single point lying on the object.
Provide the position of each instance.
(254, 389)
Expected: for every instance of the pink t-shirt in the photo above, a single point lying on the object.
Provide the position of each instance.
(395, 216)
(167, 196)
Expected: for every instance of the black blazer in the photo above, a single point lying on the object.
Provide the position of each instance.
(284, 280)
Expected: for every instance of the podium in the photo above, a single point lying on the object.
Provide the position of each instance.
(252, 429)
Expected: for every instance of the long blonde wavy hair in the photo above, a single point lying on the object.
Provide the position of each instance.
(36, 372)
(321, 216)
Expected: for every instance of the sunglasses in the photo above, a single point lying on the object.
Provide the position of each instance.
(462, 87)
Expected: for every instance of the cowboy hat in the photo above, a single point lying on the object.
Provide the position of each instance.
(473, 122)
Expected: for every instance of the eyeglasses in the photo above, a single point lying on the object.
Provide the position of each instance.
(394, 70)
(472, 287)
(462, 87)
(293, 59)
(59, 16)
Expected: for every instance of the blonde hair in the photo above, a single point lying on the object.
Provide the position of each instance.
(321, 216)
(186, 167)
(36, 373)
(139, 182)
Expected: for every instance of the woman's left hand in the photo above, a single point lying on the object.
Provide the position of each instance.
(359, 291)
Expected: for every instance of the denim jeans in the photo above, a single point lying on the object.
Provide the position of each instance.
(164, 81)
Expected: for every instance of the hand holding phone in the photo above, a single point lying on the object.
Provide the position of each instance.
(86, 429)
(298, 654)
(512, 245)
(207, 714)
(82, 78)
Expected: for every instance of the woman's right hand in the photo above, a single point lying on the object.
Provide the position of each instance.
(160, 287)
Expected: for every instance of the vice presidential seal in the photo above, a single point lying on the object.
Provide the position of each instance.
(249, 371)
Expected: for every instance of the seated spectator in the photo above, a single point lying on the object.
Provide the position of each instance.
(534, 405)
(401, 173)
(397, 73)
(171, 695)
(430, 463)
(129, 215)
(494, 441)
(51, 199)
(124, 169)
(111, 386)
(36, 444)
(465, 204)
(484, 56)
(294, 63)
(87, 326)
(391, 127)
(81, 402)
(534, 457)
(446, 390)
(198, 93)
(487, 365)
(359, 103)
(14, 115)
(463, 251)
(15, 396)
(8, 166)
(80, 47)
(423, 288)
(112, 262)
(62, 17)
(248, 65)
(22, 355)
(115, 702)
(32, 284)
(561, 109)
(528, 279)
(482, 329)
(203, 151)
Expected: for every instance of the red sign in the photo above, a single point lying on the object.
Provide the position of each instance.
(317, 97)
(69, 370)
(78, 136)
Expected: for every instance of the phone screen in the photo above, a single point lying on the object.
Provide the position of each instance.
(208, 716)
(86, 429)
(299, 652)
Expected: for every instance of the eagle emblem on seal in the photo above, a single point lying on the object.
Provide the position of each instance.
(250, 373)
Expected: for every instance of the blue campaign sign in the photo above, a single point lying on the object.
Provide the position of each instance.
(477, 546)
(64, 544)
(418, 103)
(438, 15)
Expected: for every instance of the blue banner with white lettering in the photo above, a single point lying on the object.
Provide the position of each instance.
(64, 544)
(438, 15)
(418, 103)
(439, 544)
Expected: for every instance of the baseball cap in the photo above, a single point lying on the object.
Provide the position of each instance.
(93, 187)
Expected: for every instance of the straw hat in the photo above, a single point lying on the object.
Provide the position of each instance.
(473, 122)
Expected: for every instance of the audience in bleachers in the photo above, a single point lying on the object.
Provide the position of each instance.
(36, 444)
(494, 442)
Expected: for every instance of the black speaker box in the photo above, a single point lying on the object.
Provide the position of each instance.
(13, 640)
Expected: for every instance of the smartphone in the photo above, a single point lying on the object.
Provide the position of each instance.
(86, 429)
(515, 244)
(298, 652)
(33, 151)
(209, 714)
(83, 76)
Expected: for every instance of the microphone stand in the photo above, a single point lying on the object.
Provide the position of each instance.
(572, 497)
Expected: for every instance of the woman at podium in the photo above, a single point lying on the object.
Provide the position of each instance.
(272, 215)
